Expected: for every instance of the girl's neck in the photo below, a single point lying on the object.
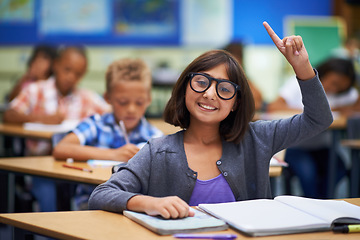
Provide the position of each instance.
(202, 133)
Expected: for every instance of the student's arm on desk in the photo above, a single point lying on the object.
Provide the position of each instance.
(13, 116)
(167, 207)
(349, 110)
(70, 147)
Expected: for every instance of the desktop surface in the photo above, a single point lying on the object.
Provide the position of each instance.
(106, 225)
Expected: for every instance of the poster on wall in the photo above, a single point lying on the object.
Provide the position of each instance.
(74, 17)
(17, 11)
(110, 22)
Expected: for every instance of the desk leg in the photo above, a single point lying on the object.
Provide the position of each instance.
(11, 192)
(4, 179)
(18, 233)
(336, 135)
(355, 169)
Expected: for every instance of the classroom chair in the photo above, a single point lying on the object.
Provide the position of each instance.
(353, 127)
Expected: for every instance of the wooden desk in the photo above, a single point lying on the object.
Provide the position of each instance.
(107, 225)
(18, 131)
(46, 166)
(351, 143)
(340, 122)
(354, 145)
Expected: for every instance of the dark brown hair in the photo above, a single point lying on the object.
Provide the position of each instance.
(234, 126)
(340, 66)
(48, 51)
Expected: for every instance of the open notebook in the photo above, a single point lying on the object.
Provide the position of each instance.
(283, 215)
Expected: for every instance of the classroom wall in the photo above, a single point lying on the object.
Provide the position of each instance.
(206, 24)
(263, 64)
(13, 62)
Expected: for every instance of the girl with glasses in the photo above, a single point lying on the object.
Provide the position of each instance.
(220, 156)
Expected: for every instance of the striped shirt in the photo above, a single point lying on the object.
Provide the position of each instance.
(44, 98)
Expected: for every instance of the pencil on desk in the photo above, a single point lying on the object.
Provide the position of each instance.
(78, 168)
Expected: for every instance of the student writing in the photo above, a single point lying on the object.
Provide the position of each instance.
(220, 151)
(128, 91)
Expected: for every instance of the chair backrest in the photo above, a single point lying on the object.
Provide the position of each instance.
(353, 127)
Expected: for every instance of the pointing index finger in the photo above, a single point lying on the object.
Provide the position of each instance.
(272, 34)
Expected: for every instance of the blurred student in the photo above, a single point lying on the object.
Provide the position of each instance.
(56, 99)
(51, 102)
(237, 49)
(39, 67)
(128, 91)
(309, 160)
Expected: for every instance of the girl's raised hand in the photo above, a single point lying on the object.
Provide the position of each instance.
(294, 51)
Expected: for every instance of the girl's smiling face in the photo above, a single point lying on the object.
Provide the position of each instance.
(208, 107)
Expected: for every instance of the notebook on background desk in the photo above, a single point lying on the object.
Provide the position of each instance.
(283, 215)
(65, 126)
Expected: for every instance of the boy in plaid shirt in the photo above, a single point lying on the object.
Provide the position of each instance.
(128, 91)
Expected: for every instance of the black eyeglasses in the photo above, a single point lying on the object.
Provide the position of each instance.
(225, 89)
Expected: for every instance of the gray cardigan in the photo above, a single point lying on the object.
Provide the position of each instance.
(160, 168)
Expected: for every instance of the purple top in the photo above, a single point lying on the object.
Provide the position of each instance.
(215, 190)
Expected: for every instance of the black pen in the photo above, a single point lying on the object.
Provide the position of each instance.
(352, 228)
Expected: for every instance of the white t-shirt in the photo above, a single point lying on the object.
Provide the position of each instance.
(290, 91)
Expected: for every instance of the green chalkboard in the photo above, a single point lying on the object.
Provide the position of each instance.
(321, 35)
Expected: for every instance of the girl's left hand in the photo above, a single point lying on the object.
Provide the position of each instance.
(294, 51)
